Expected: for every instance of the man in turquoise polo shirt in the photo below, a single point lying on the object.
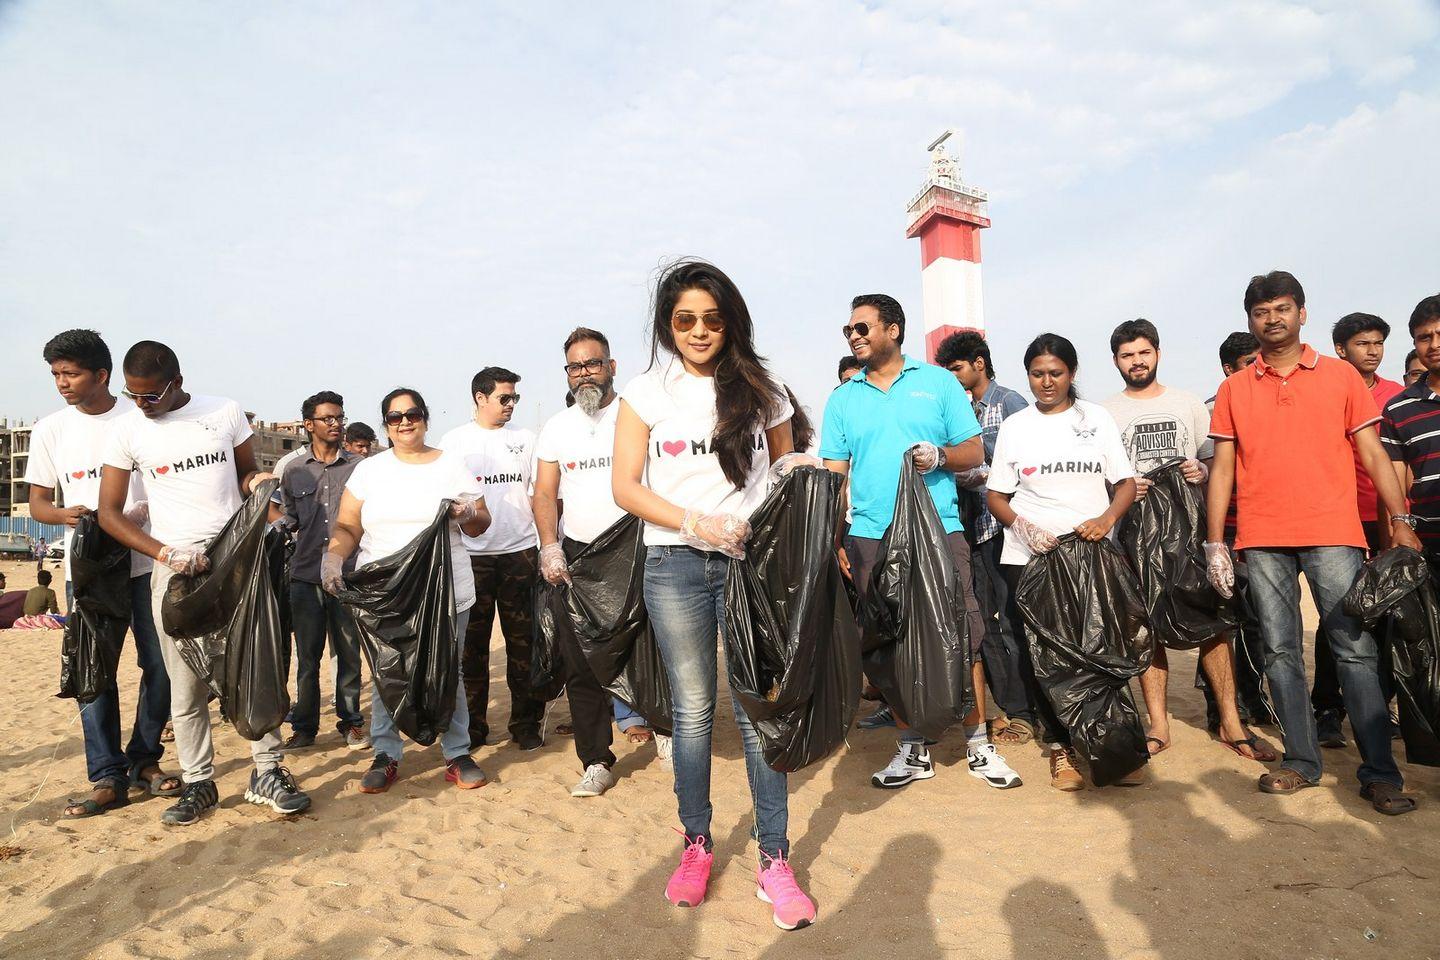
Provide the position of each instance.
(892, 405)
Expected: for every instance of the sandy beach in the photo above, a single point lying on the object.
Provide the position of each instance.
(1194, 863)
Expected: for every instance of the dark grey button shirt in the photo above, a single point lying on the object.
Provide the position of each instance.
(310, 491)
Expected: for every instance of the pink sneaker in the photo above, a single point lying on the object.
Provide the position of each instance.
(776, 885)
(687, 884)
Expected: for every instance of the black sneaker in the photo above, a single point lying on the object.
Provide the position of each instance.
(277, 789)
(298, 740)
(1328, 731)
(381, 774)
(529, 740)
(195, 800)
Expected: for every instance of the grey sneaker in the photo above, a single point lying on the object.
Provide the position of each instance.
(195, 801)
(665, 750)
(884, 717)
(596, 781)
(355, 738)
(277, 789)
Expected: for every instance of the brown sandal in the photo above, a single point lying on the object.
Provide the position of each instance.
(1284, 781)
(1387, 798)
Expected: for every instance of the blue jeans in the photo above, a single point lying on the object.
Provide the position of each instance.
(1275, 594)
(100, 719)
(454, 742)
(625, 718)
(314, 613)
(685, 598)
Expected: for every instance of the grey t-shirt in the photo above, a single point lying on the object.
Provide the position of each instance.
(1174, 425)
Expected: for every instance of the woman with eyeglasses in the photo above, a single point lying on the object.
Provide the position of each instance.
(1059, 467)
(389, 499)
(695, 437)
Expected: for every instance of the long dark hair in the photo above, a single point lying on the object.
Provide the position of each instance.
(745, 397)
(1054, 345)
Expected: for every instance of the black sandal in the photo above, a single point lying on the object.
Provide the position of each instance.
(120, 797)
(151, 785)
(1387, 798)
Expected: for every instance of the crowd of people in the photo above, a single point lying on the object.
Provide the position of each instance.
(1307, 463)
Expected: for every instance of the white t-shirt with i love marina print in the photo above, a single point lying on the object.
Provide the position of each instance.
(186, 459)
(582, 447)
(679, 409)
(67, 451)
(1057, 466)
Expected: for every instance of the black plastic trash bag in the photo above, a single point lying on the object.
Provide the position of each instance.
(917, 647)
(227, 621)
(1085, 621)
(1400, 585)
(100, 614)
(604, 607)
(404, 609)
(1163, 535)
(551, 629)
(792, 645)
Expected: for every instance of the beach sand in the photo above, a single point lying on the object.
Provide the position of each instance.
(1194, 863)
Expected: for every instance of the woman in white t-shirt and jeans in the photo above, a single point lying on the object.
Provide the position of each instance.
(694, 440)
(389, 499)
(1059, 467)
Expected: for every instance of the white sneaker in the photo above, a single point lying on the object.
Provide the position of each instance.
(664, 749)
(911, 763)
(596, 781)
(987, 764)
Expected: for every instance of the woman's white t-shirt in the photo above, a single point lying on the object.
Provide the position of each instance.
(1057, 465)
(679, 409)
(398, 500)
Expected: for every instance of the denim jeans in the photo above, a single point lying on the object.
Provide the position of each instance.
(454, 742)
(625, 718)
(685, 597)
(314, 614)
(100, 719)
(1275, 593)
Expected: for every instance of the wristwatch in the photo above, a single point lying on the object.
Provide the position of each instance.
(1409, 519)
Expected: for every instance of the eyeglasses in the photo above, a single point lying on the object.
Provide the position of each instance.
(685, 321)
(585, 366)
(507, 399)
(149, 397)
(413, 415)
(328, 421)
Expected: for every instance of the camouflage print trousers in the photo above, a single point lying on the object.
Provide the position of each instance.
(505, 581)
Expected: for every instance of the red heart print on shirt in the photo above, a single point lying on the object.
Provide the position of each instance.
(1029, 470)
(570, 466)
(673, 447)
(162, 469)
(77, 474)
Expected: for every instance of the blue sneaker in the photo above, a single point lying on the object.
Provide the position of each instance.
(884, 717)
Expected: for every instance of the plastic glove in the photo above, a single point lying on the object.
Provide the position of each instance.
(786, 464)
(138, 512)
(925, 455)
(1220, 569)
(464, 509)
(184, 560)
(1194, 471)
(552, 564)
(715, 531)
(974, 478)
(1039, 541)
(1142, 487)
(332, 573)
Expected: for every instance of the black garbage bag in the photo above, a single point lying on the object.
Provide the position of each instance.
(916, 646)
(1085, 620)
(604, 608)
(792, 644)
(404, 609)
(551, 628)
(1398, 584)
(227, 621)
(1163, 535)
(99, 615)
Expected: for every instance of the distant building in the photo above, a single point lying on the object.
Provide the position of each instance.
(14, 454)
(274, 440)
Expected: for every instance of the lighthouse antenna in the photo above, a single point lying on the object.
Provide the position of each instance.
(949, 132)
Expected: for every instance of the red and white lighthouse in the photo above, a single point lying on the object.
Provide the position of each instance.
(948, 215)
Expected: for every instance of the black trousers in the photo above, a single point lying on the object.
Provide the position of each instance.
(589, 702)
(1000, 650)
(504, 582)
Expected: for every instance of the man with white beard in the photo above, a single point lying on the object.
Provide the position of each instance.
(572, 465)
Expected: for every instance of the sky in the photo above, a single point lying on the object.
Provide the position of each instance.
(354, 196)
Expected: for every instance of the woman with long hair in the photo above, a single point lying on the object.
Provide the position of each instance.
(1059, 467)
(694, 441)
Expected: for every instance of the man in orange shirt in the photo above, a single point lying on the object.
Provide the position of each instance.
(1287, 433)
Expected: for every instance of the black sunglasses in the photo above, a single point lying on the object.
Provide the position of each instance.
(413, 415)
(862, 328)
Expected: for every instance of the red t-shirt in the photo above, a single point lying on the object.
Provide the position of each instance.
(1383, 392)
(1294, 461)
